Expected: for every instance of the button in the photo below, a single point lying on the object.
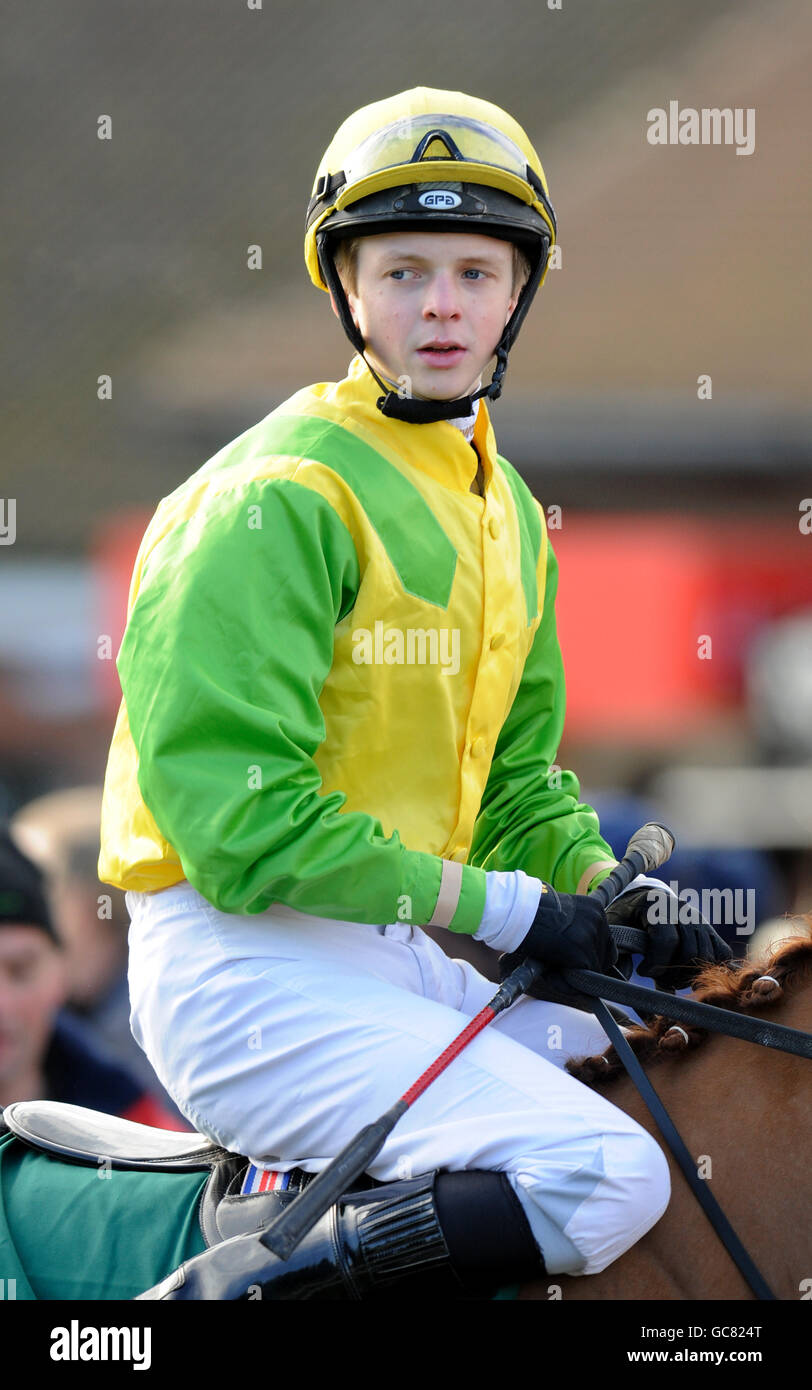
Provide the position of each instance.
(460, 854)
(478, 747)
(495, 527)
(497, 640)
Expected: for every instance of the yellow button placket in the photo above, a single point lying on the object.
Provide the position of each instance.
(455, 466)
(500, 576)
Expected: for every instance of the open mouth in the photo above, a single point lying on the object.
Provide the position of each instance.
(442, 356)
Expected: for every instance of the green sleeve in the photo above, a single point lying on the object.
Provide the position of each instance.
(530, 816)
(226, 650)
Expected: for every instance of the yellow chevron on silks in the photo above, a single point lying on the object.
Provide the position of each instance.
(285, 734)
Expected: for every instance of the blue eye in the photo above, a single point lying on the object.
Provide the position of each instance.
(473, 271)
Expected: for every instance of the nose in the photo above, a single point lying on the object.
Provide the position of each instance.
(442, 299)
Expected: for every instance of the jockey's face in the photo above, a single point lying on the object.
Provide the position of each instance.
(413, 288)
(31, 990)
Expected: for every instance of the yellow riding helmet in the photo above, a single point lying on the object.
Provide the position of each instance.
(434, 161)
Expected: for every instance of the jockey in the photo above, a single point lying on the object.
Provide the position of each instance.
(343, 697)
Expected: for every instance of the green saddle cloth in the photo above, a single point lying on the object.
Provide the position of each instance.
(70, 1232)
(74, 1232)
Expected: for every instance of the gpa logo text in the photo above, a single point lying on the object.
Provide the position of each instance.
(439, 198)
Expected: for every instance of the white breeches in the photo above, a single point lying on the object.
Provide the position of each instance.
(280, 1035)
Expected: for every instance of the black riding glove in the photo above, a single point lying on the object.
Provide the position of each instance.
(568, 932)
(571, 931)
(680, 940)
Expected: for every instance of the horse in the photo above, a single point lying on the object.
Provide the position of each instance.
(744, 1115)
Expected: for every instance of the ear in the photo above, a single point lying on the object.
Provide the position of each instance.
(335, 306)
(351, 301)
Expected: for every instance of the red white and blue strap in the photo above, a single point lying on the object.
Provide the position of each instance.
(263, 1180)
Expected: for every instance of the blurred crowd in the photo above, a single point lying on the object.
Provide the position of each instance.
(64, 1003)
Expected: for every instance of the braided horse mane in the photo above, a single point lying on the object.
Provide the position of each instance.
(737, 986)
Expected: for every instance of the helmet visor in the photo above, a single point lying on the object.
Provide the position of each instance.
(425, 139)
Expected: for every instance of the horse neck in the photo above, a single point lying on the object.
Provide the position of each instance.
(742, 1113)
(724, 1065)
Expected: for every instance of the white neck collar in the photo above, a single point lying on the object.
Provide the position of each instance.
(467, 423)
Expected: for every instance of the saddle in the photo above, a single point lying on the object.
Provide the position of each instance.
(74, 1134)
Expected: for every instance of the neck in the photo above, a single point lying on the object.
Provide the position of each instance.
(464, 423)
(681, 1257)
(397, 385)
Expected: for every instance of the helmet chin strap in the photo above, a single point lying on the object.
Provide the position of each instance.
(416, 410)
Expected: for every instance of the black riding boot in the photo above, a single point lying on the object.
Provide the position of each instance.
(459, 1235)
